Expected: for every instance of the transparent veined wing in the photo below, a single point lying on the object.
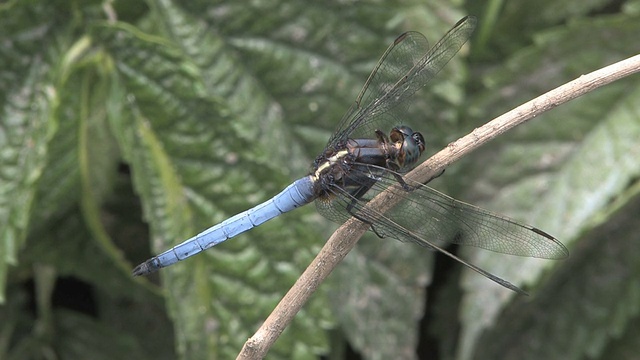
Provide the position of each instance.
(405, 67)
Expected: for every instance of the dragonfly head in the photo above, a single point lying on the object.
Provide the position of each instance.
(409, 144)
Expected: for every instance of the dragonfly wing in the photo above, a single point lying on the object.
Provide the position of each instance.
(432, 219)
(406, 66)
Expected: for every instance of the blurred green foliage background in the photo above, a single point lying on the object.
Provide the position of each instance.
(129, 126)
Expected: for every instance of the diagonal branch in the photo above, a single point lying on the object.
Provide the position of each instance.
(345, 238)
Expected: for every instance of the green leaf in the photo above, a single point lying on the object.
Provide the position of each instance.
(544, 173)
(26, 125)
(584, 315)
(83, 337)
(223, 76)
(114, 303)
(613, 145)
(168, 158)
(281, 58)
(623, 344)
(378, 299)
(127, 121)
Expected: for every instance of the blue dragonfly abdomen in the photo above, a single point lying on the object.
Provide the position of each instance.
(300, 192)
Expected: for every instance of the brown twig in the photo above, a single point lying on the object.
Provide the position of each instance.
(345, 238)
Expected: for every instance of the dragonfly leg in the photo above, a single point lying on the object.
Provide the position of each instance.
(382, 137)
(407, 187)
(373, 229)
(390, 164)
(404, 185)
(357, 195)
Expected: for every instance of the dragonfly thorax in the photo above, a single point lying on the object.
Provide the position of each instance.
(398, 152)
(330, 165)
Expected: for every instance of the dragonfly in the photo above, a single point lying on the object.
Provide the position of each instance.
(368, 154)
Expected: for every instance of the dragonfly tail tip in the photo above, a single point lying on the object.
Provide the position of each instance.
(144, 269)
